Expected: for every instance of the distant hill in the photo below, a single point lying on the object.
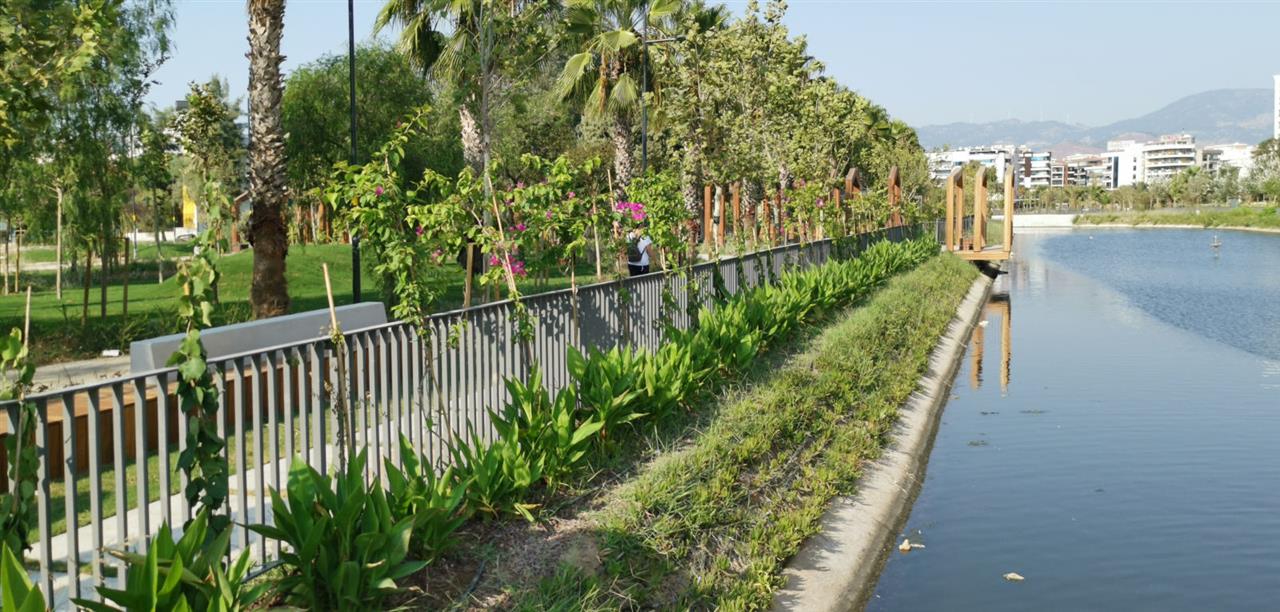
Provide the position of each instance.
(1218, 116)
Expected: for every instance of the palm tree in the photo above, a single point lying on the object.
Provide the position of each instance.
(600, 76)
(269, 292)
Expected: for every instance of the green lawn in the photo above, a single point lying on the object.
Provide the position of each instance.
(146, 252)
(1208, 217)
(58, 336)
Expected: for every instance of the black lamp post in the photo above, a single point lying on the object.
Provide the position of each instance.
(351, 78)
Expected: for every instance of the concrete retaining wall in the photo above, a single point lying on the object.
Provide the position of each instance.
(837, 568)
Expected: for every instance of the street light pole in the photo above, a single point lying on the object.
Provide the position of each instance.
(351, 82)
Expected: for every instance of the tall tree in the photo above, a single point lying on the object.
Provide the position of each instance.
(269, 292)
(609, 36)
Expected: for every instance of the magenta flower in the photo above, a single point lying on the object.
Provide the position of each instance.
(517, 268)
(519, 184)
(420, 230)
(511, 202)
(520, 227)
(549, 215)
(637, 216)
(821, 203)
(493, 260)
(572, 195)
(377, 190)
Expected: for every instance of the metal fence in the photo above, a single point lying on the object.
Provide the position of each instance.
(116, 442)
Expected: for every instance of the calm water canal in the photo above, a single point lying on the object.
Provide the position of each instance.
(1127, 457)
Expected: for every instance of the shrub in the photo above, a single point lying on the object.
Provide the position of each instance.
(342, 549)
(433, 503)
(184, 575)
(16, 591)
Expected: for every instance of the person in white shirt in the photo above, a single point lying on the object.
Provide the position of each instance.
(640, 252)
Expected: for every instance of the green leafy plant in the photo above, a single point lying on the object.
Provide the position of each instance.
(496, 475)
(17, 594)
(343, 550)
(609, 385)
(202, 460)
(18, 506)
(188, 574)
(433, 503)
(544, 430)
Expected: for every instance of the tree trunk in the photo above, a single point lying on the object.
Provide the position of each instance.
(124, 297)
(159, 242)
(17, 261)
(104, 259)
(620, 135)
(88, 281)
(57, 275)
(269, 293)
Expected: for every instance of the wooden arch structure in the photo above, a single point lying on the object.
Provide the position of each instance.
(973, 246)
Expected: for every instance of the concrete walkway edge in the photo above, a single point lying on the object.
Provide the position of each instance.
(836, 569)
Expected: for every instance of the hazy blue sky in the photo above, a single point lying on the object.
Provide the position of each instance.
(926, 61)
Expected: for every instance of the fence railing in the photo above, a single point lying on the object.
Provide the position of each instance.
(108, 450)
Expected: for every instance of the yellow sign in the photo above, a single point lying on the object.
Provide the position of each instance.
(188, 210)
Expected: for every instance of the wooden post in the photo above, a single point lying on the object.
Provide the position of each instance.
(57, 279)
(736, 188)
(895, 198)
(950, 208)
(980, 210)
(720, 207)
(328, 291)
(706, 215)
(959, 213)
(837, 211)
(470, 258)
(1008, 209)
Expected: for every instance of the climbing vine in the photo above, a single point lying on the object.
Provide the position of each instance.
(202, 460)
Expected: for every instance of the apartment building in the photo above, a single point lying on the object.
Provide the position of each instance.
(1034, 167)
(1169, 155)
(1126, 160)
(1214, 158)
(941, 163)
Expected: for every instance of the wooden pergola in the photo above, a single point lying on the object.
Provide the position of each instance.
(972, 245)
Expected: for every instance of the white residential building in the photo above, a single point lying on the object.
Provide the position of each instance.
(1168, 156)
(1276, 107)
(941, 163)
(1126, 156)
(1235, 155)
(1034, 168)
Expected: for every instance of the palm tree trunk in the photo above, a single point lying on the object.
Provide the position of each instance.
(269, 292)
(472, 140)
(623, 162)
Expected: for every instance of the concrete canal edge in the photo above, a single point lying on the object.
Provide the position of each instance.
(836, 569)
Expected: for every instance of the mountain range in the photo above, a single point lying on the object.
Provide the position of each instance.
(1213, 117)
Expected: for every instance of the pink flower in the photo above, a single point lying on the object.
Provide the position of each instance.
(377, 190)
(637, 216)
(419, 230)
(572, 195)
(799, 182)
(511, 202)
(517, 268)
(493, 260)
(549, 215)
(520, 227)
(519, 184)
(821, 203)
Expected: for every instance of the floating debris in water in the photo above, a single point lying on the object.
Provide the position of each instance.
(978, 443)
(905, 546)
(989, 412)
(1033, 411)
(916, 545)
(1014, 577)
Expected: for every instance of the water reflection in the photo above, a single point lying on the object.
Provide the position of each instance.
(998, 310)
(1133, 466)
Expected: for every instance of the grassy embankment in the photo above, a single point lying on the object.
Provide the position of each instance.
(712, 525)
(1242, 217)
(57, 334)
